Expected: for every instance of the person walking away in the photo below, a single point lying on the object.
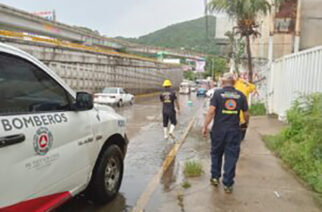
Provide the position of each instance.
(225, 107)
(246, 88)
(169, 101)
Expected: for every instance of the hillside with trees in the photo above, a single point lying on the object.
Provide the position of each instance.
(189, 35)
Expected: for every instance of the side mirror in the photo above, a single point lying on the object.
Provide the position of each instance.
(84, 101)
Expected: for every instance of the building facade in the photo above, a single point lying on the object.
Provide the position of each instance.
(295, 25)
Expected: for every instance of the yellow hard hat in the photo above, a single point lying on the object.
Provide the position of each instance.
(167, 83)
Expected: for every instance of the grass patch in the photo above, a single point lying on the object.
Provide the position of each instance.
(300, 144)
(257, 109)
(192, 169)
(186, 185)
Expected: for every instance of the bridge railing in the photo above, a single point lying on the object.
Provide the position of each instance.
(294, 75)
(67, 44)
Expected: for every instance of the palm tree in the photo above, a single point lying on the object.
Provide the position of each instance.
(237, 47)
(245, 12)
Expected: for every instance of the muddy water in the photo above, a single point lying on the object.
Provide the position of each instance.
(195, 147)
(146, 152)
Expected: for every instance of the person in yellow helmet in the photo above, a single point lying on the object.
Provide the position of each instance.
(169, 101)
(246, 88)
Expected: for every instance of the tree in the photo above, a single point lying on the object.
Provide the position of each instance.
(189, 75)
(245, 12)
(214, 67)
(237, 47)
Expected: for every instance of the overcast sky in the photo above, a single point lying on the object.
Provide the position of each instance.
(130, 18)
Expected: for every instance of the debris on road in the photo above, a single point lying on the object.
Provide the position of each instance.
(277, 194)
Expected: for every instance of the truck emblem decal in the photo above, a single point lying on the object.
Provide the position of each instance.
(43, 141)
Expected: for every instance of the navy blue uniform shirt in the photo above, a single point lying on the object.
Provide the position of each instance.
(167, 97)
(228, 102)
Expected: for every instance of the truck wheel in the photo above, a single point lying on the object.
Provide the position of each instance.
(120, 103)
(107, 176)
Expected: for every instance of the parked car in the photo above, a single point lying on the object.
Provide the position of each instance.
(114, 96)
(193, 88)
(54, 143)
(201, 91)
(184, 88)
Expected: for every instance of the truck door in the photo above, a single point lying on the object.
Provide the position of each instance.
(45, 147)
(122, 95)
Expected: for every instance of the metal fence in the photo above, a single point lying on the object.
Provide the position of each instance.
(292, 76)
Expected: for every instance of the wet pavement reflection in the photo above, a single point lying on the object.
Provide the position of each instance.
(146, 152)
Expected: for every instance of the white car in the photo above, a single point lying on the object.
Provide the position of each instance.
(113, 96)
(184, 88)
(54, 143)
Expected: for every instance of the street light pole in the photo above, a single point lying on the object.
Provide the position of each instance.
(298, 26)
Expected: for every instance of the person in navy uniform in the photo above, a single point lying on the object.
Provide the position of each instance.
(225, 107)
(169, 100)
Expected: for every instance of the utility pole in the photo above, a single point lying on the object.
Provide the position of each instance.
(212, 68)
(54, 15)
(206, 17)
(271, 35)
(298, 26)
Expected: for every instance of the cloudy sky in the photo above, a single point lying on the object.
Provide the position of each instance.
(130, 18)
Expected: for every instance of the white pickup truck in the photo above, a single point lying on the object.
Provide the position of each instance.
(54, 143)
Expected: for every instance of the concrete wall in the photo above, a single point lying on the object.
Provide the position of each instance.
(88, 71)
(282, 43)
(311, 24)
(311, 31)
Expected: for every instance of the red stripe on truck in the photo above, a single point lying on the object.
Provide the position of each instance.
(41, 204)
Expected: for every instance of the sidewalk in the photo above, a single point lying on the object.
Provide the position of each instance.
(262, 183)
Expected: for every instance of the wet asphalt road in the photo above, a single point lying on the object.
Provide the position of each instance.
(146, 152)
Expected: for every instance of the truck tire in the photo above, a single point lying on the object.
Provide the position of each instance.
(120, 103)
(107, 176)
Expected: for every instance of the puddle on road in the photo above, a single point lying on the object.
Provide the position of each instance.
(195, 147)
(146, 152)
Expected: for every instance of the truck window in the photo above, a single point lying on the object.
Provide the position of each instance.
(25, 88)
(110, 90)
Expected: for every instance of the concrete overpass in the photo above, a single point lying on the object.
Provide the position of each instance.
(13, 19)
(17, 20)
(153, 50)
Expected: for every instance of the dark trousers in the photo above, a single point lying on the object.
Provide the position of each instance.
(169, 117)
(227, 144)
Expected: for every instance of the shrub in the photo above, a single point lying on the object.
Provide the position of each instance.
(192, 169)
(257, 109)
(300, 144)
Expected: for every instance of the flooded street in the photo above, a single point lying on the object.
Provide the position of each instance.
(256, 146)
(146, 152)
